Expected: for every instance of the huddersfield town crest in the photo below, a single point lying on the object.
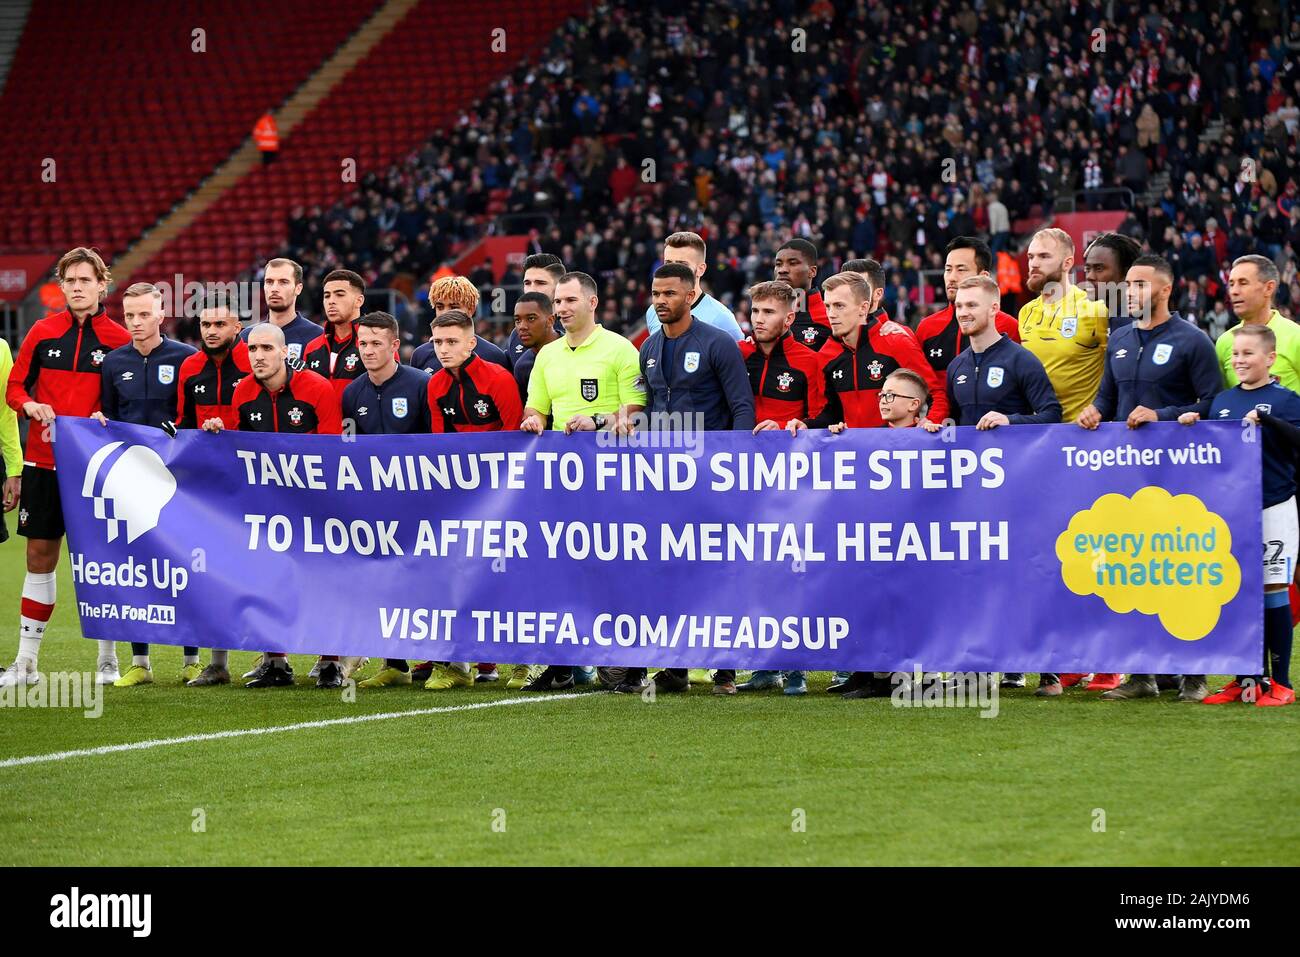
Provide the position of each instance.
(295, 351)
(995, 377)
(1265, 407)
(1069, 326)
(784, 381)
(166, 374)
(589, 389)
(692, 361)
(295, 415)
(875, 369)
(1162, 353)
(399, 407)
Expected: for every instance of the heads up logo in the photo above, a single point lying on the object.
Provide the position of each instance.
(129, 487)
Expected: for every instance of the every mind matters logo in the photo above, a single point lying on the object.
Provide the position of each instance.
(1155, 553)
(129, 486)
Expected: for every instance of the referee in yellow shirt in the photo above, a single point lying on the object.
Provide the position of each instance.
(1067, 332)
(588, 379)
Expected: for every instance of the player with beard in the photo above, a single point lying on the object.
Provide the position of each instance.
(1066, 331)
(281, 287)
(205, 389)
(541, 272)
(278, 398)
(796, 264)
(940, 334)
(1106, 262)
(334, 354)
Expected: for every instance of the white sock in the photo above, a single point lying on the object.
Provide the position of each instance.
(220, 658)
(461, 666)
(142, 661)
(39, 589)
(279, 661)
(107, 650)
(189, 659)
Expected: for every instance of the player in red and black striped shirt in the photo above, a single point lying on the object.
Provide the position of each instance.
(276, 398)
(57, 372)
(468, 394)
(334, 354)
(785, 376)
(796, 263)
(872, 350)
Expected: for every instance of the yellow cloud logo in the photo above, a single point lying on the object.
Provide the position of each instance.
(1156, 553)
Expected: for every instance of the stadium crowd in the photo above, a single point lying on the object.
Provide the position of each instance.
(865, 127)
(821, 354)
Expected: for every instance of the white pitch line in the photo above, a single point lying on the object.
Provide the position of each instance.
(301, 726)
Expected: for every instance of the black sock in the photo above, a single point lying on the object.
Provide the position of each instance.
(398, 663)
(1278, 638)
(191, 651)
(139, 647)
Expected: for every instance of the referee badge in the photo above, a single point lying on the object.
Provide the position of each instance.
(1162, 353)
(590, 388)
(1069, 326)
(692, 361)
(995, 377)
(399, 407)
(166, 374)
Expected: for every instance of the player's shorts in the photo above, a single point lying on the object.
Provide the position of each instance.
(1281, 542)
(40, 510)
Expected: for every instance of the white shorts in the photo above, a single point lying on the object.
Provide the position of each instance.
(1281, 542)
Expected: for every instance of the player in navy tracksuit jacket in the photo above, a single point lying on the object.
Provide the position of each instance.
(1158, 366)
(138, 385)
(700, 372)
(1003, 377)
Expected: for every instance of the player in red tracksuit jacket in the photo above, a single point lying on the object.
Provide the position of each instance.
(796, 263)
(872, 350)
(57, 372)
(940, 336)
(205, 387)
(333, 354)
(275, 398)
(786, 377)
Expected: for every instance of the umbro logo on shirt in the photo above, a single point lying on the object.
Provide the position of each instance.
(362, 411)
(127, 376)
(1120, 353)
(961, 379)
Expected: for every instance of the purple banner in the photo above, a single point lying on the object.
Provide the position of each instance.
(1026, 548)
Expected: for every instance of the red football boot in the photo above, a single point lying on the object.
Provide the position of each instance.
(1072, 679)
(1277, 694)
(1104, 681)
(1229, 693)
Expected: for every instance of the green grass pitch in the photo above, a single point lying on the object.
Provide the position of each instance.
(600, 779)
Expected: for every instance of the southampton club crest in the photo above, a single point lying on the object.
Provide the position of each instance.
(784, 381)
(875, 369)
(810, 335)
(589, 389)
(350, 363)
(481, 409)
(97, 357)
(295, 415)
